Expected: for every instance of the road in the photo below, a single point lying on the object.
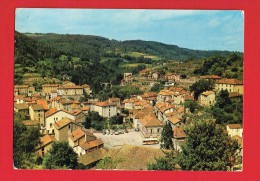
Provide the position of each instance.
(116, 141)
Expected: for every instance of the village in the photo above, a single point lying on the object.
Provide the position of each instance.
(60, 113)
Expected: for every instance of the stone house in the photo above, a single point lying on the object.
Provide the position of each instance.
(21, 108)
(106, 109)
(37, 112)
(150, 126)
(53, 115)
(179, 137)
(231, 85)
(207, 98)
(45, 145)
(63, 128)
(49, 88)
(235, 129)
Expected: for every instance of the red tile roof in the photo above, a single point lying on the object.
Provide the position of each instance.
(174, 120)
(50, 85)
(92, 144)
(79, 133)
(37, 107)
(234, 126)
(150, 121)
(207, 93)
(61, 123)
(21, 106)
(51, 112)
(45, 140)
(178, 133)
(104, 104)
(230, 81)
(210, 77)
(176, 89)
(43, 102)
(71, 87)
(21, 86)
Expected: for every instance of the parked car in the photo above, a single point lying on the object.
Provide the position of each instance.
(116, 133)
(126, 131)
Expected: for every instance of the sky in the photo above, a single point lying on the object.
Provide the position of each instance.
(194, 29)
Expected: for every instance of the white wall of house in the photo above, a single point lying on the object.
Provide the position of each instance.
(106, 111)
(49, 121)
(129, 105)
(233, 132)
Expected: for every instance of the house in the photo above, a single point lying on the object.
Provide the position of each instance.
(45, 145)
(63, 128)
(146, 110)
(235, 129)
(36, 112)
(91, 159)
(85, 147)
(115, 101)
(231, 85)
(210, 77)
(79, 116)
(161, 109)
(156, 75)
(21, 108)
(49, 88)
(128, 77)
(87, 89)
(106, 109)
(143, 72)
(207, 98)
(175, 121)
(149, 96)
(164, 95)
(70, 90)
(24, 90)
(81, 136)
(150, 126)
(62, 104)
(172, 77)
(31, 123)
(53, 115)
(128, 104)
(179, 137)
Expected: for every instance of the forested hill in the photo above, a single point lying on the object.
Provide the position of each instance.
(93, 47)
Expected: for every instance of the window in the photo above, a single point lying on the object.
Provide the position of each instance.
(50, 125)
(53, 131)
(151, 130)
(158, 130)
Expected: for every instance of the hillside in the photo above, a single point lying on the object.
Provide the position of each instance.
(92, 59)
(86, 46)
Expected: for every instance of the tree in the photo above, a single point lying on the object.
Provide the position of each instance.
(61, 155)
(164, 163)
(192, 105)
(201, 86)
(25, 141)
(208, 147)
(161, 164)
(166, 137)
(226, 110)
(157, 87)
(94, 120)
